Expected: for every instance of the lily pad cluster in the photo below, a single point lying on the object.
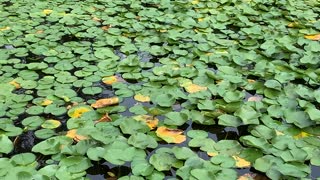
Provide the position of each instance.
(151, 84)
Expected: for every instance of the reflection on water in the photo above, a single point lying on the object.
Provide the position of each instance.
(103, 171)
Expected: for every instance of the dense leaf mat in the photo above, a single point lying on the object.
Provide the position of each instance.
(170, 88)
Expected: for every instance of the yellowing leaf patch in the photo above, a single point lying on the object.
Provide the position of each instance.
(73, 134)
(110, 80)
(170, 135)
(141, 98)
(302, 134)
(104, 118)
(193, 88)
(5, 28)
(77, 111)
(151, 121)
(47, 11)
(105, 102)
(15, 84)
(241, 163)
(46, 102)
(212, 154)
(315, 37)
(195, 2)
(51, 124)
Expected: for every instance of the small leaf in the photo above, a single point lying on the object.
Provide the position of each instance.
(170, 135)
(302, 134)
(77, 137)
(193, 88)
(315, 37)
(151, 121)
(46, 102)
(105, 102)
(110, 80)
(47, 11)
(241, 163)
(141, 98)
(104, 118)
(51, 124)
(5, 28)
(212, 154)
(77, 111)
(15, 84)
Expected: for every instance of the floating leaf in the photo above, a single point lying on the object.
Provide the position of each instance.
(51, 124)
(241, 163)
(170, 135)
(46, 102)
(315, 37)
(110, 80)
(47, 11)
(77, 111)
(193, 88)
(141, 98)
(5, 28)
(212, 154)
(15, 84)
(302, 134)
(105, 102)
(194, 2)
(142, 141)
(77, 137)
(104, 118)
(151, 121)
(6, 145)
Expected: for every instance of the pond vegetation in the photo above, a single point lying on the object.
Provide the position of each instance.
(159, 89)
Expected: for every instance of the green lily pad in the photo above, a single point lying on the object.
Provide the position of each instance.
(6, 144)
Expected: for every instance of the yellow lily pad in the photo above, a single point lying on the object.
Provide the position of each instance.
(51, 124)
(212, 154)
(109, 80)
(105, 102)
(46, 102)
(241, 163)
(315, 37)
(193, 88)
(15, 84)
(5, 28)
(170, 135)
(77, 137)
(151, 121)
(77, 111)
(47, 11)
(141, 98)
(302, 134)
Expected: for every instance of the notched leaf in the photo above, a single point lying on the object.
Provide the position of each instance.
(15, 83)
(109, 80)
(104, 118)
(77, 137)
(105, 102)
(47, 11)
(193, 88)
(151, 121)
(241, 163)
(315, 37)
(46, 102)
(141, 98)
(170, 135)
(77, 111)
